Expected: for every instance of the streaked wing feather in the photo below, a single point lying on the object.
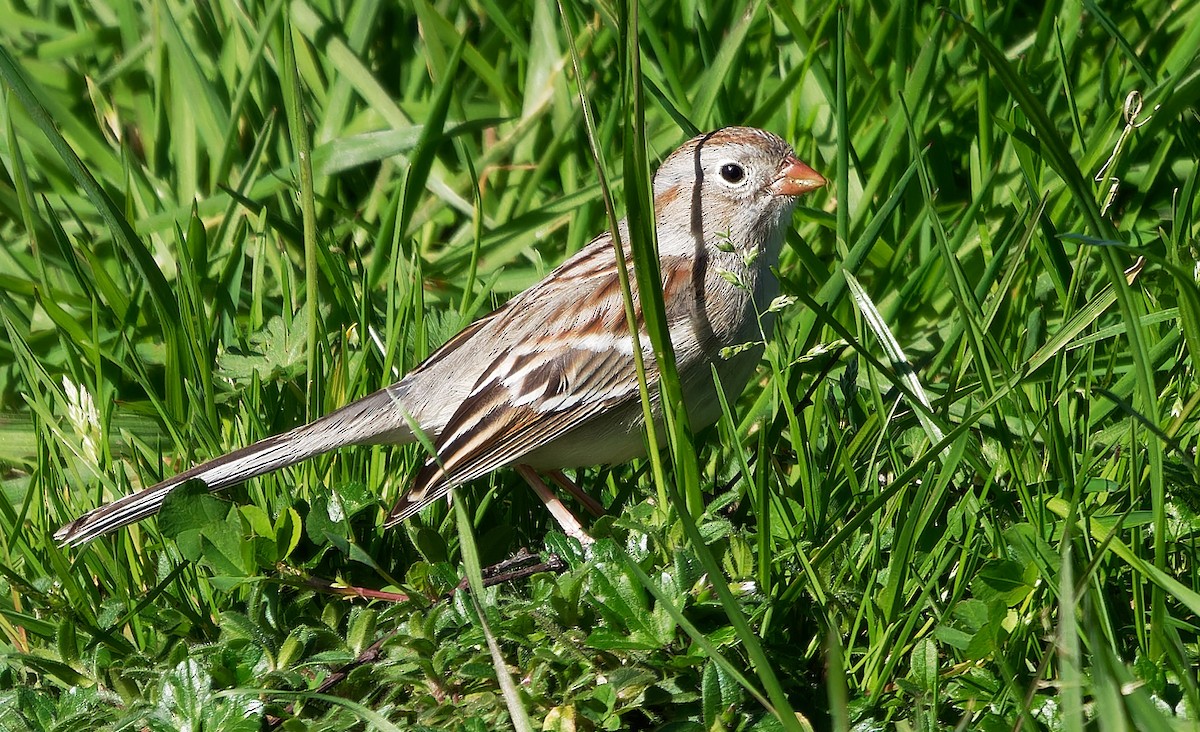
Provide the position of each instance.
(491, 429)
(526, 398)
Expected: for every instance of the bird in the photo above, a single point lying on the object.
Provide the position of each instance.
(548, 380)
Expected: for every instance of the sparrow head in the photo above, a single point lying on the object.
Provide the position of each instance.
(736, 182)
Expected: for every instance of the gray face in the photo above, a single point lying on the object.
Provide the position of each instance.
(735, 173)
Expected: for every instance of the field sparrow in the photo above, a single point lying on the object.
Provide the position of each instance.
(548, 380)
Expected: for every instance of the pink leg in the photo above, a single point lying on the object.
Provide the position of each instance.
(568, 522)
(591, 504)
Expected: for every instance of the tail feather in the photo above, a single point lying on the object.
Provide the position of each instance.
(373, 419)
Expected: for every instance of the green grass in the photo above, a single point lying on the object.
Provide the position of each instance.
(962, 494)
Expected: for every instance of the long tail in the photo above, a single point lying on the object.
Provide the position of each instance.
(377, 418)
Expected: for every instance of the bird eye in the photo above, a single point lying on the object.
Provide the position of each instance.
(732, 173)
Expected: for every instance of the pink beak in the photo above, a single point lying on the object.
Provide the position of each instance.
(796, 177)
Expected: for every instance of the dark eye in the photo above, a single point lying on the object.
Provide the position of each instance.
(732, 173)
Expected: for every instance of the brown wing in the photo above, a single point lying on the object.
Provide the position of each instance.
(517, 407)
(559, 371)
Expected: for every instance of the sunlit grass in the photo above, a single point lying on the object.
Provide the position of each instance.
(173, 285)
